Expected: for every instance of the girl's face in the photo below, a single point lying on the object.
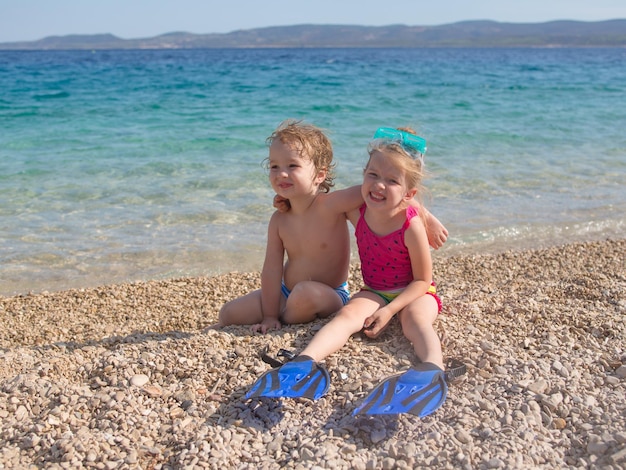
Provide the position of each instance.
(291, 174)
(384, 184)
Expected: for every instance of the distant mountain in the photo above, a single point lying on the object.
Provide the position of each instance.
(611, 33)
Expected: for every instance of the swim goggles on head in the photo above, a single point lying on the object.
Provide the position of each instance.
(412, 143)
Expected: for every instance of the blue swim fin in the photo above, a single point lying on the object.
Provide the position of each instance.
(300, 377)
(419, 391)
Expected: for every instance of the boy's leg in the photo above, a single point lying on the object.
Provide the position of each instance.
(336, 333)
(309, 300)
(244, 310)
(417, 320)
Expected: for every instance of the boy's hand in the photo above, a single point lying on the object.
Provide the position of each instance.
(436, 232)
(266, 325)
(281, 204)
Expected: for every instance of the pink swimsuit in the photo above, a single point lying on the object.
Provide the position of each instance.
(385, 261)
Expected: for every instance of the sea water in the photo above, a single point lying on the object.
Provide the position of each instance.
(147, 164)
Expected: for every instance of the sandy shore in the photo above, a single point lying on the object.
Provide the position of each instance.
(123, 377)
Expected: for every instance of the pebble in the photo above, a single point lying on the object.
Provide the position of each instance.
(378, 435)
(124, 377)
(540, 386)
(619, 457)
(153, 390)
(463, 436)
(139, 380)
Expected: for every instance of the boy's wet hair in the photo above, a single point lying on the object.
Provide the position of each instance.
(310, 142)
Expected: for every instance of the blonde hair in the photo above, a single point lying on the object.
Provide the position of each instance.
(310, 142)
(411, 167)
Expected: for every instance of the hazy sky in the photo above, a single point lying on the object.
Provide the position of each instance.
(26, 20)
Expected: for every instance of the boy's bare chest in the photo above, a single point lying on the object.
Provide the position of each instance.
(313, 234)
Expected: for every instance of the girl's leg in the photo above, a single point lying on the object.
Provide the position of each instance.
(417, 320)
(309, 300)
(349, 320)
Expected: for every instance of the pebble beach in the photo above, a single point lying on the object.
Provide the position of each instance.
(126, 376)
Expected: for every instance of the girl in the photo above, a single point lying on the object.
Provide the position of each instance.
(393, 248)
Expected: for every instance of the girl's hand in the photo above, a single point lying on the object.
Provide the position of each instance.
(281, 204)
(376, 323)
(266, 325)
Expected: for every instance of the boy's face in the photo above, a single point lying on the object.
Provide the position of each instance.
(291, 174)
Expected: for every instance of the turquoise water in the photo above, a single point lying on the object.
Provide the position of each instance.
(125, 165)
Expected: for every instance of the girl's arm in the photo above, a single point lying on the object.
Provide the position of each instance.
(416, 241)
(271, 278)
(353, 216)
(350, 199)
(341, 200)
(345, 200)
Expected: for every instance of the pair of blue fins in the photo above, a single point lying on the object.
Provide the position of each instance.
(418, 391)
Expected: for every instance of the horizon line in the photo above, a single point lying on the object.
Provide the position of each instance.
(308, 24)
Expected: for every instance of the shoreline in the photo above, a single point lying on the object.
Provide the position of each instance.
(122, 375)
(158, 266)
